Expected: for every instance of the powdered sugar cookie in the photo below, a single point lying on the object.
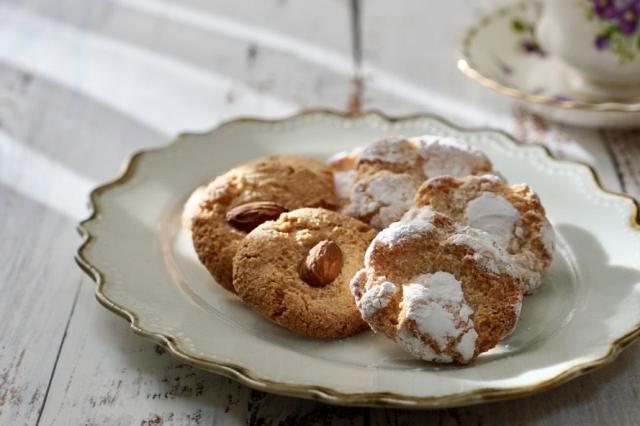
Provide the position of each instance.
(365, 175)
(512, 214)
(444, 292)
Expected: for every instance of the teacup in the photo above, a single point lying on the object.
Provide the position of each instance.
(598, 39)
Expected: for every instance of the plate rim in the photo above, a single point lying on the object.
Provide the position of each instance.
(322, 393)
(466, 66)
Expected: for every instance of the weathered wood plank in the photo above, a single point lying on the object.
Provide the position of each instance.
(43, 187)
(108, 375)
(625, 149)
(33, 310)
(90, 62)
(240, 44)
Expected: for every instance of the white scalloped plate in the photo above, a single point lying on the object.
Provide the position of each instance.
(146, 270)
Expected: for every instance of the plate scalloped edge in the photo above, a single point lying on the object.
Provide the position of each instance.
(325, 394)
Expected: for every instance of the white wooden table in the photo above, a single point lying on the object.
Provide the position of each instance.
(83, 83)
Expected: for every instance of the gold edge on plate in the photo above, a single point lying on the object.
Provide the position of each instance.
(324, 394)
(465, 64)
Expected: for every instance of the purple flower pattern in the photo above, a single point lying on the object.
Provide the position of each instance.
(528, 44)
(619, 26)
(602, 42)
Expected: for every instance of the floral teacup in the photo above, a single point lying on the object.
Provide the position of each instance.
(599, 39)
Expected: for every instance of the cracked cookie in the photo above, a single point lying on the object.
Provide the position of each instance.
(512, 214)
(376, 182)
(442, 291)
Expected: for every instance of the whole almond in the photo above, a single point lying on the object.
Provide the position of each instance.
(322, 265)
(248, 216)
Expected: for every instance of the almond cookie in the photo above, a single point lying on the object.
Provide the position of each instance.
(295, 271)
(444, 292)
(221, 214)
(377, 181)
(512, 214)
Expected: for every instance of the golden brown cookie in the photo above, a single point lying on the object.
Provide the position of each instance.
(295, 271)
(221, 214)
(512, 214)
(444, 292)
(377, 182)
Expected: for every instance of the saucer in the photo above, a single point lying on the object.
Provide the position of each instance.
(501, 52)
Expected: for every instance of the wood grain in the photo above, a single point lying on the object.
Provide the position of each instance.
(85, 83)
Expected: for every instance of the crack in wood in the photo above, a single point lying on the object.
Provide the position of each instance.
(354, 105)
(62, 340)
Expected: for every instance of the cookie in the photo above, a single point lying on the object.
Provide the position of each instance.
(381, 198)
(295, 271)
(444, 292)
(221, 214)
(191, 206)
(423, 157)
(364, 177)
(512, 214)
(343, 165)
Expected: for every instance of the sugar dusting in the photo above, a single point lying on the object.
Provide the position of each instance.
(376, 298)
(449, 156)
(548, 237)
(343, 181)
(493, 257)
(418, 349)
(399, 231)
(393, 150)
(436, 305)
(492, 213)
(384, 197)
(414, 223)
(487, 252)
(420, 214)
